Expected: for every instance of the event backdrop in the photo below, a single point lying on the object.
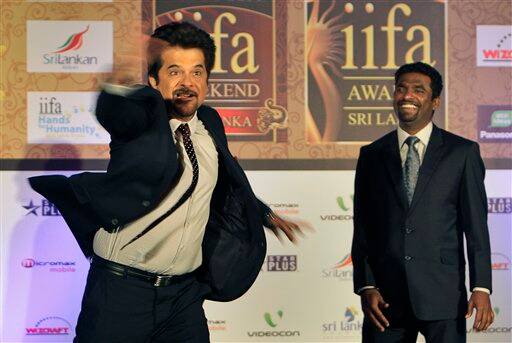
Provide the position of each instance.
(301, 86)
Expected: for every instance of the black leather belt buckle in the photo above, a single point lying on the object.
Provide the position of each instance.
(162, 280)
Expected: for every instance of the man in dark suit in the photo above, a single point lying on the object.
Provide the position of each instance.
(173, 220)
(419, 190)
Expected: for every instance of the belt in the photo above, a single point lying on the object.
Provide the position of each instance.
(118, 269)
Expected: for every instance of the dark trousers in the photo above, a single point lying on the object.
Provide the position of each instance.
(404, 328)
(124, 309)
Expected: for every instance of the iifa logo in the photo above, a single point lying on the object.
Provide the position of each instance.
(341, 270)
(273, 320)
(351, 323)
(345, 204)
(49, 326)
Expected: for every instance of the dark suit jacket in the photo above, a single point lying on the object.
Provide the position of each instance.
(415, 253)
(144, 166)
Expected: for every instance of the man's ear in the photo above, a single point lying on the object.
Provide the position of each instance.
(152, 82)
(436, 103)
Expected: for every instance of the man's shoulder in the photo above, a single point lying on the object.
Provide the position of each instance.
(382, 142)
(455, 140)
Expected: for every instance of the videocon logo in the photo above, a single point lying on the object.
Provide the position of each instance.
(342, 203)
(268, 318)
(273, 320)
(351, 313)
(345, 204)
(345, 261)
(74, 42)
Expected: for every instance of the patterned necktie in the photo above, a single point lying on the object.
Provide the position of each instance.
(184, 130)
(411, 167)
(189, 149)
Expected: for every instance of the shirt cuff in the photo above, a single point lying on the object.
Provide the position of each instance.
(481, 289)
(119, 89)
(365, 287)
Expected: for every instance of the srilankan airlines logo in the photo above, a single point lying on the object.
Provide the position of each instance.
(345, 261)
(74, 42)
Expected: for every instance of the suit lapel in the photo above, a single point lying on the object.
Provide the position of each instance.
(430, 162)
(391, 158)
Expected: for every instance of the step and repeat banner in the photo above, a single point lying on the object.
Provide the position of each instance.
(300, 86)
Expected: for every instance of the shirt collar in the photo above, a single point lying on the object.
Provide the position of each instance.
(423, 135)
(192, 124)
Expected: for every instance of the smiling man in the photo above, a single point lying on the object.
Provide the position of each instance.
(419, 191)
(173, 221)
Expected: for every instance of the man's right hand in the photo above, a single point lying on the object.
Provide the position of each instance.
(373, 304)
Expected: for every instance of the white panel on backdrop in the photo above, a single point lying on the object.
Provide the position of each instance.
(494, 45)
(69, 46)
(304, 291)
(63, 117)
(43, 270)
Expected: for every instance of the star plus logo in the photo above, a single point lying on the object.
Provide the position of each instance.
(45, 209)
(31, 208)
(268, 318)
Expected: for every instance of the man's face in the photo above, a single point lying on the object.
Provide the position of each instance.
(412, 100)
(182, 80)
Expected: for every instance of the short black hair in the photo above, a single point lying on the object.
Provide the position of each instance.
(436, 80)
(184, 35)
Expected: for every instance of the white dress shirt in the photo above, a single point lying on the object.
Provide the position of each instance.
(173, 247)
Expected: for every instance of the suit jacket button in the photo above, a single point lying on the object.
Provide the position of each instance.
(114, 221)
(408, 258)
(409, 230)
(145, 203)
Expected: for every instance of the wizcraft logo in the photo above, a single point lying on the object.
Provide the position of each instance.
(53, 266)
(494, 45)
(345, 204)
(341, 270)
(282, 263)
(350, 325)
(273, 321)
(45, 209)
(74, 42)
(55, 326)
(499, 205)
(500, 261)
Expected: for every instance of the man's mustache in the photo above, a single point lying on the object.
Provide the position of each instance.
(183, 91)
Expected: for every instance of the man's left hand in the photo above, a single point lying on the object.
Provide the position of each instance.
(289, 228)
(484, 315)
